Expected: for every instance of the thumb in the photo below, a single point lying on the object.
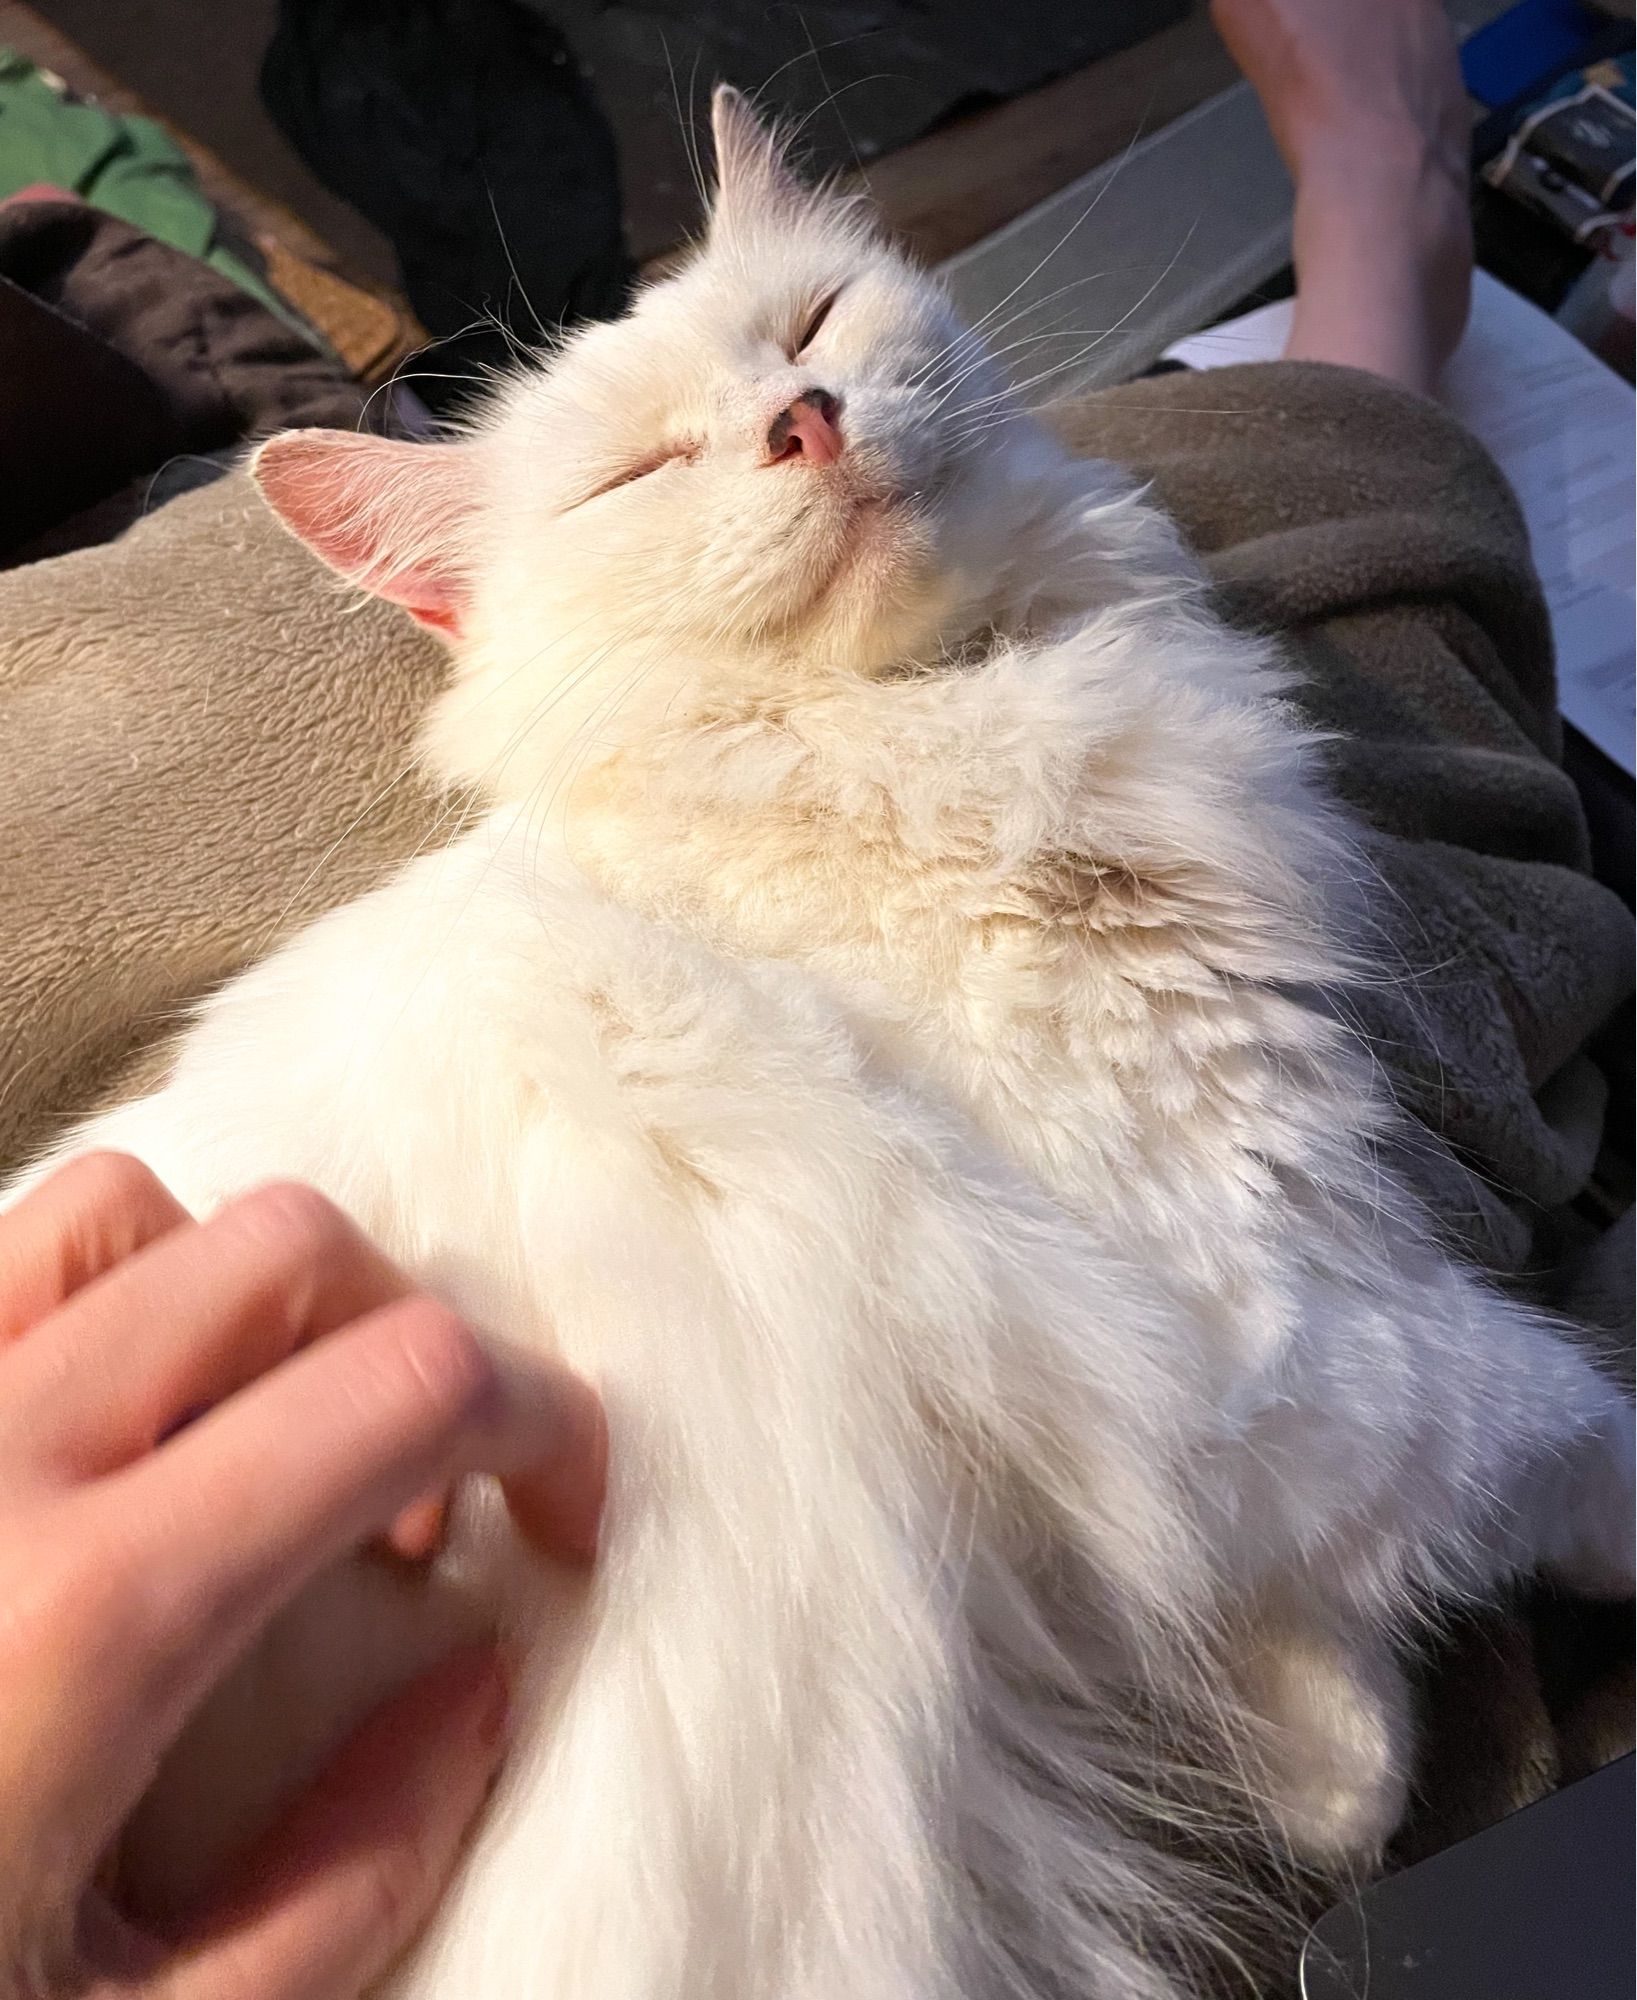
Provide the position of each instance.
(324, 1903)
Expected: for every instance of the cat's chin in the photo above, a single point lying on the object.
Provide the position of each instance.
(882, 543)
(880, 590)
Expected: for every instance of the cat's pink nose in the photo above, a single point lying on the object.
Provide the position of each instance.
(810, 428)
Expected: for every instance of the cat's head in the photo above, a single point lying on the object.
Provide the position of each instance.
(787, 456)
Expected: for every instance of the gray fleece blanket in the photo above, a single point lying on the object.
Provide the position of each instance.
(1380, 542)
(207, 743)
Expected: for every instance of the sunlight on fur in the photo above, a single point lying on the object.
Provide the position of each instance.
(877, 1028)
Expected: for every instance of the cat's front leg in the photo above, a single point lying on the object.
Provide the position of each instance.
(1547, 1479)
(1575, 1512)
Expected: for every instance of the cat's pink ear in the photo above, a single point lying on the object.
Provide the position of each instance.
(392, 518)
(753, 181)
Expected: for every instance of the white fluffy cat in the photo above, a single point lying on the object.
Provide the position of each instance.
(876, 1033)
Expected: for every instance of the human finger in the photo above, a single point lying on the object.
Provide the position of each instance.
(229, 1518)
(85, 1218)
(417, 1533)
(324, 1903)
(181, 1324)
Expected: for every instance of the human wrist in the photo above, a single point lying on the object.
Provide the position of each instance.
(1383, 170)
(1382, 245)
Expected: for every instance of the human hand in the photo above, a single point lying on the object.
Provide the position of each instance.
(143, 1546)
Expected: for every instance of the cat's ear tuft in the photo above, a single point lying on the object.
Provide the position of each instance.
(392, 518)
(753, 180)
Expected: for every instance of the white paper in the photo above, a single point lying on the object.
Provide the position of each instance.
(1560, 425)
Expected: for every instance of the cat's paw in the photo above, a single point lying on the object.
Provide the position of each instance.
(1334, 1747)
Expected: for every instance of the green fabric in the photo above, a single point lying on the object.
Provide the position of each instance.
(130, 167)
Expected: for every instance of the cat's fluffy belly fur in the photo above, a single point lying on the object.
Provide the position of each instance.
(877, 1037)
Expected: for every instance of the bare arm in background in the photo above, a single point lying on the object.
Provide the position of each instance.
(1366, 102)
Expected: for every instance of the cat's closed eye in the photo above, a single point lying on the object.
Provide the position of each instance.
(815, 321)
(663, 455)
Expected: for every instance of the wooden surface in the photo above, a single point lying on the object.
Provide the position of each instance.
(942, 193)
